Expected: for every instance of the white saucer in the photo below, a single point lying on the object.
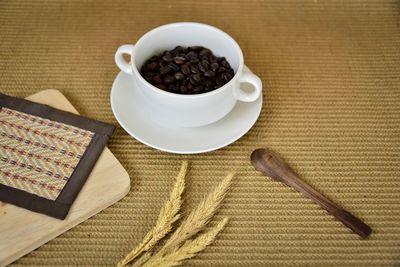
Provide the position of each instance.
(127, 106)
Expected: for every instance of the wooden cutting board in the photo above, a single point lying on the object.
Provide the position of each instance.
(22, 231)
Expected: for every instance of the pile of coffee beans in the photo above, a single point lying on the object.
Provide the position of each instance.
(191, 70)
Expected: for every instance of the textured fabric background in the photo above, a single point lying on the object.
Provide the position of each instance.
(332, 110)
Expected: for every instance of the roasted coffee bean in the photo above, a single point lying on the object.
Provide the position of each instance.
(194, 60)
(168, 79)
(157, 79)
(219, 81)
(192, 70)
(153, 58)
(152, 66)
(165, 70)
(225, 64)
(191, 54)
(148, 76)
(179, 60)
(174, 67)
(212, 58)
(209, 83)
(186, 81)
(226, 77)
(203, 65)
(167, 57)
(214, 66)
(183, 89)
(173, 88)
(209, 73)
(195, 48)
(221, 69)
(177, 50)
(205, 52)
(162, 86)
(202, 68)
(198, 89)
(195, 79)
(185, 69)
(179, 76)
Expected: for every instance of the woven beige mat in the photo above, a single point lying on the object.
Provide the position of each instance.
(331, 71)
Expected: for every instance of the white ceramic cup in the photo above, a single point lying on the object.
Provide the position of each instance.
(177, 110)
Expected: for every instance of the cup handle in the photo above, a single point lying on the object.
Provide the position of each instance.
(254, 80)
(119, 59)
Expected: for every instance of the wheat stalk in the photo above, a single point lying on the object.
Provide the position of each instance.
(141, 260)
(198, 218)
(189, 249)
(168, 215)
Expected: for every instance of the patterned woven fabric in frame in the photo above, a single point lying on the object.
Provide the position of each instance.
(46, 155)
(39, 155)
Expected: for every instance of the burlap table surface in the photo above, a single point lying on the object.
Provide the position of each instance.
(331, 108)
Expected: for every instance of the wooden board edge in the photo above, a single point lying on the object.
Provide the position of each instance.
(59, 232)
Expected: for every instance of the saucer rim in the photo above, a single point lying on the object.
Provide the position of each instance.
(177, 151)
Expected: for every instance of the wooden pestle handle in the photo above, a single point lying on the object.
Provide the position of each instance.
(271, 165)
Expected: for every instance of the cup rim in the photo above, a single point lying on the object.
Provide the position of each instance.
(179, 24)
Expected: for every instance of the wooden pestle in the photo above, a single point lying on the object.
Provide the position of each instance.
(271, 165)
